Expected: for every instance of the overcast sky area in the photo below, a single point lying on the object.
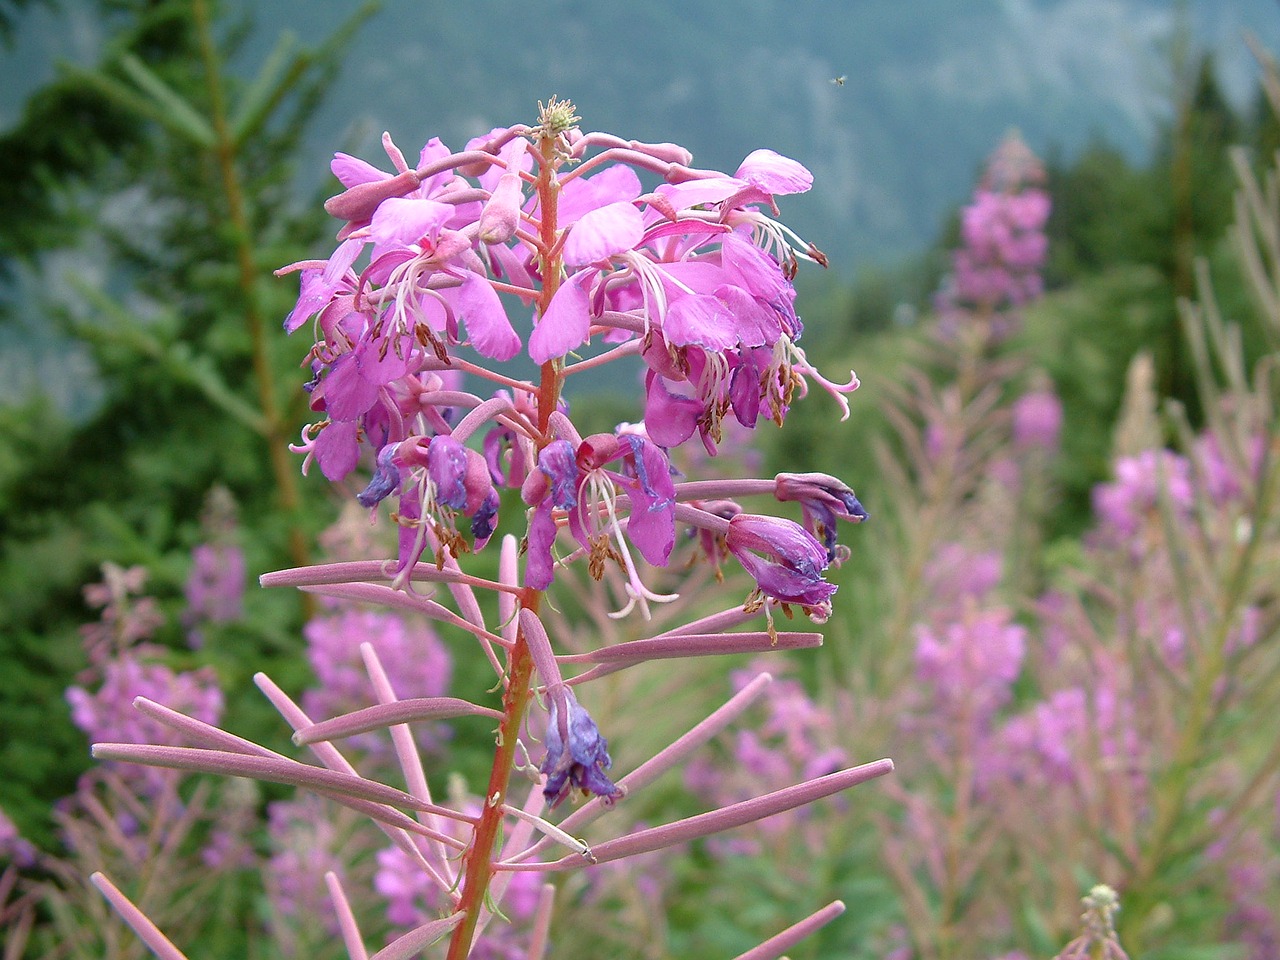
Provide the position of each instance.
(931, 86)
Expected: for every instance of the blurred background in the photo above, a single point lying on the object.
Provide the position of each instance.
(1109, 566)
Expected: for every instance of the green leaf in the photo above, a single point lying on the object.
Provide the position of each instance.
(276, 77)
(111, 88)
(175, 112)
(178, 358)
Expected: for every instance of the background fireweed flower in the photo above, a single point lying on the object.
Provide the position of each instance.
(693, 276)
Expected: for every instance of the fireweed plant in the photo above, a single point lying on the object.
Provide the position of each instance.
(693, 277)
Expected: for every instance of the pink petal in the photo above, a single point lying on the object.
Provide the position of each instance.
(434, 150)
(337, 450)
(774, 172)
(602, 232)
(702, 320)
(668, 419)
(352, 170)
(477, 305)
(514, 154)
(402, 221)
(695, 193)
(380, 363)
(342, 258)
(567, 321)
(347, 392)
(614, 184)
(755, 324)
(683, 228)
(314, 294)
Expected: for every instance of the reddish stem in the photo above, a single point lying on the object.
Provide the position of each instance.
(479, 858)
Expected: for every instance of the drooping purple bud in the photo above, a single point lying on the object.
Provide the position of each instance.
(577, 756)
(485, 520)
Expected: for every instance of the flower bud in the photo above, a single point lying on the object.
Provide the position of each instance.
(359, 202)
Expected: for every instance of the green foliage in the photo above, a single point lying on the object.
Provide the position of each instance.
(201, 166)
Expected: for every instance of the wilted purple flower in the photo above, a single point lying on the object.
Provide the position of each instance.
(585, 481)
(577, 756)
(784, 559)
(822, 500)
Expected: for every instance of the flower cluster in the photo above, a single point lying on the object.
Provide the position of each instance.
(693, 276)
(417, 662)
(997, 267)
(124, 667)
(617, 249)
(797, 740)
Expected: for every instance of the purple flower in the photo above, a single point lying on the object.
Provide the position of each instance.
(438, 479)
(577, 755)
(14, 848)
(957, 574)
(582, 481)
(405, 886)
(971, 663)
(822, 500)
(784, 559)
(108, 714)
(304, 845)
(1004, 243)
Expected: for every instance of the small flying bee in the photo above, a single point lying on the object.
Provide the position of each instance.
(839, 81)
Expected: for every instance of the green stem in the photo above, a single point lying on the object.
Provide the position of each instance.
(224, 150)
(1171, 797)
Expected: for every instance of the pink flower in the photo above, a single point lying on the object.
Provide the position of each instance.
(1124, 505)
(1037, 420)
